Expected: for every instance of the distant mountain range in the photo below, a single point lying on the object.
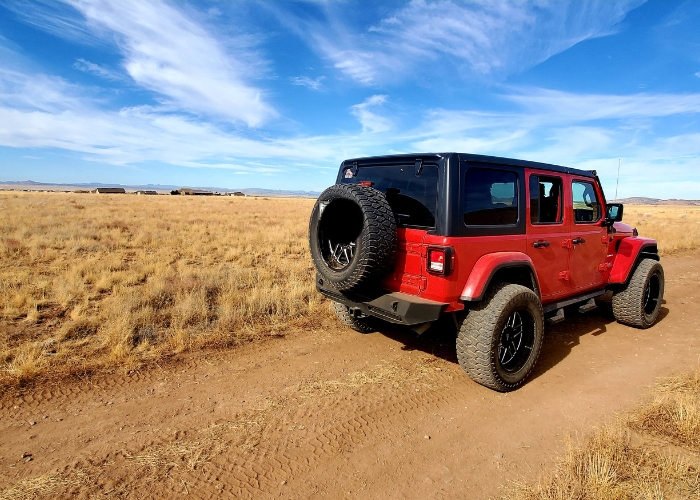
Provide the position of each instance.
(154, 187)
(655, 201)
(638, 200)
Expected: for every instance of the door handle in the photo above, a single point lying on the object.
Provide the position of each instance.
(540, 244)
(578, 241)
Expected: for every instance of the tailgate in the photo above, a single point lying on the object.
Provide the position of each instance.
(408, 275)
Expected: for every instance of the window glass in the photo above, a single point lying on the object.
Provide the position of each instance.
(586, 206)
(412, 198)
(491, 197)
(545, 199)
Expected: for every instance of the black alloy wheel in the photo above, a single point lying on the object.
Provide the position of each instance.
(517, 338)
(652, 294)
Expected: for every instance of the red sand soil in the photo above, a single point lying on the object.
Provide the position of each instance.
(331, 413)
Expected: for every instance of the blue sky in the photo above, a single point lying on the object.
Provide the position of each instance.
(276, 94)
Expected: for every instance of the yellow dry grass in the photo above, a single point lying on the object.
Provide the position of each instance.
(93, 281)
(634, 457)
(674, 413)
(676, 228)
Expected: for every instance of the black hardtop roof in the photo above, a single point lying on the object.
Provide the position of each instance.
(474, 158)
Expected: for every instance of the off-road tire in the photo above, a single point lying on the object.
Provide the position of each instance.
(362, 325)
(364, 211)
(629, 306)
(480, 334)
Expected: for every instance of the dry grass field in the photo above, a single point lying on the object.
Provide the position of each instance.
(677, 228)
(652, 453)
(91, 282)
(95, 281)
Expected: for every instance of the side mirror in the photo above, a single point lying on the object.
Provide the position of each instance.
(614, 212)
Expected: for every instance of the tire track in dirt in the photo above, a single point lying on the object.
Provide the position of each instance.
(275, 467)
(280, 457)
(72, 392)
(268, 453)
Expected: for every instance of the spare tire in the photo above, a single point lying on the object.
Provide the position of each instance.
(352, 235)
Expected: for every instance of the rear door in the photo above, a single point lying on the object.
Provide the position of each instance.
(548, 231)
(588, 242)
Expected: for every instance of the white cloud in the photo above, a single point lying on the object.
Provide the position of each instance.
(312, 83)
(39, 92)
(371, 121)
(555, 127)
(170, 54)
(39, 111)
(697, 74)
(55, 18)
(484, 38)
(584, 107)
(96, 69)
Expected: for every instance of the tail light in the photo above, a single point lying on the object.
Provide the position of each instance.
(440, 260)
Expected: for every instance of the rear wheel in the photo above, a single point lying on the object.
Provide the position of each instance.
(640, 301)
(365, 324)
(501, 337)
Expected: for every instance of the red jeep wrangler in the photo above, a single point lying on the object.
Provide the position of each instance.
(499, 244)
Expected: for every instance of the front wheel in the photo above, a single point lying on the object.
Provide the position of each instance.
(638, 304)
(501, 337)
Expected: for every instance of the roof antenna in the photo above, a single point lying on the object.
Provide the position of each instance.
(618, 178)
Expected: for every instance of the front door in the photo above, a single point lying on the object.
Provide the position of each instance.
(587, 248)
(547, 228)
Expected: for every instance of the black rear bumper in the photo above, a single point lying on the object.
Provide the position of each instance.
(394, 307)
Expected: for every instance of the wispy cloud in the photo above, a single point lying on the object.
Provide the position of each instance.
(38, 92)
(564, 105)
(486, 39)
(96, 69)
(55, 17)
(170, 54)
(370, 120)
(39, 111)
(312, 83)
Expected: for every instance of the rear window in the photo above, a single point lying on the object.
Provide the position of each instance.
(413, 198)
(491, 197)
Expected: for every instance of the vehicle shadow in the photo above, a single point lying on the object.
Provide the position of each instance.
(559, 339)
(438, 340)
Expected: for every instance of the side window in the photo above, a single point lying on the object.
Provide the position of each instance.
(586, 206)
(491, 197)
(545, 199)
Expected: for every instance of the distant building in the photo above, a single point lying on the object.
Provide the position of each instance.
(146, 192)
(237, 193)
(195, 192)
(110, 191)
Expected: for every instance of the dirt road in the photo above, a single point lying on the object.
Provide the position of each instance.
(331, 413)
